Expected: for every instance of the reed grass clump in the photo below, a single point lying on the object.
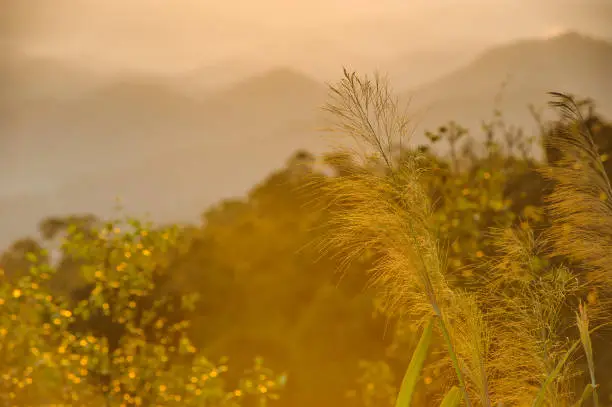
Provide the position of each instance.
(506, 341)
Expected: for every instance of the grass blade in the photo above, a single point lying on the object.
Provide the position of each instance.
(452, 398)
(539, 400)
(588, 391)
(582, 321)
(404, 398)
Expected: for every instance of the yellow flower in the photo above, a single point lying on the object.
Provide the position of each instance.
(65, 313)
(146, 252)
(428, 380)
(487, 175)
(162, 388)
(592, 298)
(16, 293)
(479, 254)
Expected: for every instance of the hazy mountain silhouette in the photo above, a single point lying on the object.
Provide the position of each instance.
(27, 77)
(520, 73)
(416, 68)
(170, 146)
(216, 75)
(158, 149)
(268, 100)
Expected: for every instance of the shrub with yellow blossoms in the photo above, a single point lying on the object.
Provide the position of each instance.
(121, 342)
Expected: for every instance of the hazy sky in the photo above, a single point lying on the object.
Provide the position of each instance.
(179, 34)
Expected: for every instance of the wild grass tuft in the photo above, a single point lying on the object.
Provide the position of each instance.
(580, 205)
(524, 300)
(507, 343)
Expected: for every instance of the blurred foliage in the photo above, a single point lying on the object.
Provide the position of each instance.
(126, 313)
(119, 341)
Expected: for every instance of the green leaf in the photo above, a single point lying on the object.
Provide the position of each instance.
(452, 398)
(540, 398)
(31, 257)
(588, 392)
(188, 301)
(412, 375)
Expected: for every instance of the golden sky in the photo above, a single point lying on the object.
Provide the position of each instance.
(180, 34)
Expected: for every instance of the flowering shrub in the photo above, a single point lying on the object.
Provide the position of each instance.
(118, 344)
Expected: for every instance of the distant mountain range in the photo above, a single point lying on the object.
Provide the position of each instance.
(518, 74)
(71, 141)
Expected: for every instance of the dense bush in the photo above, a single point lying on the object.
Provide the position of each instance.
(116, 343)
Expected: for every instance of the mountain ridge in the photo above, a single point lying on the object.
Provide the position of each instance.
(515, 75)
(148, 138)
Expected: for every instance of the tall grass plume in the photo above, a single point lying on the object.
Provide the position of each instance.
(507, 343)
